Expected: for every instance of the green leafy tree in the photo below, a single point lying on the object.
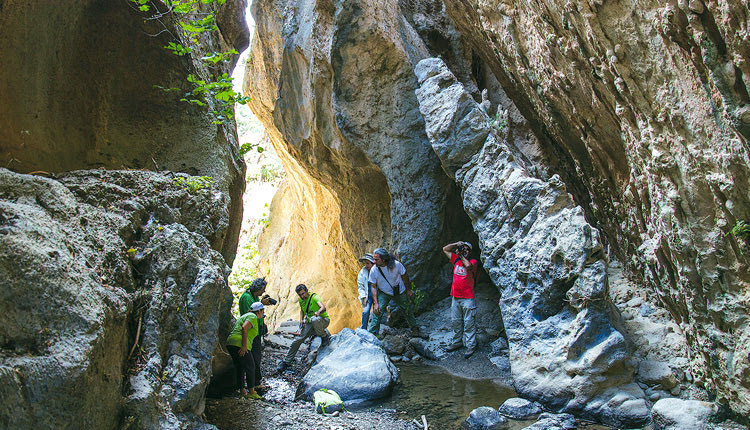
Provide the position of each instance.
(194, 20)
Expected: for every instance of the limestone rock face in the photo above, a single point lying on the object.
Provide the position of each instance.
(642, 108)
(91, 264)
(583, 131)
(77, 92)
(542, 254)
(333, 83)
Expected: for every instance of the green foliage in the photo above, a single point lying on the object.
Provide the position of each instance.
(192, 184)
(178, 49)
(499, 122)
(246, 147)
(193, 24)
(741, 230)
(244, 271)
(264, 221)
(412, 305)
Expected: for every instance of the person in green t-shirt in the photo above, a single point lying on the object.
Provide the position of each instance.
(254, 294)
(244, 331)
(313, 320)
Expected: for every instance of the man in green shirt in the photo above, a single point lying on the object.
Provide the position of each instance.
(313, 320)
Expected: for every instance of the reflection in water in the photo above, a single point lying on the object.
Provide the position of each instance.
(444, 399)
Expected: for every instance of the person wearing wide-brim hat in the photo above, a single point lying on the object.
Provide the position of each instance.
(244, 331)
(365, 295)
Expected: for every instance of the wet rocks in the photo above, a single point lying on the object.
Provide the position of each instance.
(485, 418)
(519, 409)
(549, 421)
(674, 414)
(354, 365)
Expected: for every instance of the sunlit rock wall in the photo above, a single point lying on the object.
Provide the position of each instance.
(642, 109)
(334, 85)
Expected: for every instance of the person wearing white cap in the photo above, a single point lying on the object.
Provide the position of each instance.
(363, 287)
(244, 331)
(463, 307)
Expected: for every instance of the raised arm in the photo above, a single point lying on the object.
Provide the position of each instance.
(447, 249)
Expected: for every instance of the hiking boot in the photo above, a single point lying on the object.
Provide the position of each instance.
(469, 352)
(452, 347)
(281, 367)
(252, 395)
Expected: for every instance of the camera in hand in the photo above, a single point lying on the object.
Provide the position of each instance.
(463, 250)
(270, 300)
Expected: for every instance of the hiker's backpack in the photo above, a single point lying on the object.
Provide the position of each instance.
(327, 401)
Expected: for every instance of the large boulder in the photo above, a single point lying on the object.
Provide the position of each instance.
(678, 414)
(114, 298)
(485, 418)
(354, 365)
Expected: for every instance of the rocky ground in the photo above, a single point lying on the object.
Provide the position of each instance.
(279, 410)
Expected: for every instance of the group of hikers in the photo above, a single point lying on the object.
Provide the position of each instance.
(381, 280)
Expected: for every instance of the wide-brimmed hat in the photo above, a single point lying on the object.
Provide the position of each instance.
(256, 306)
(367, 257)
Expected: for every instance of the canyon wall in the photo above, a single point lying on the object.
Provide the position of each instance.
(633, 114)
(113, 283)
(642, 109)
(335, 90)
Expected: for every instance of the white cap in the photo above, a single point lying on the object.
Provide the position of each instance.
(256, 306)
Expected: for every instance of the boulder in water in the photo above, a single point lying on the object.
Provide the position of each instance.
(485, 417)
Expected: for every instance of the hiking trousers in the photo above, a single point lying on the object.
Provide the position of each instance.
(316, 326)
(463, 321)
(366, 309)
(383, 300)
(244, 367)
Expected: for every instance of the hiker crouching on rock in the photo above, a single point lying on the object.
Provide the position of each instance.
(363, 287)
(389, 281)
(463, 308)
(313, 320)
(244, 331)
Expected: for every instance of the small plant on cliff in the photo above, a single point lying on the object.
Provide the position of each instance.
(741, 230)
(499, 122)
(193, 23)
(193, 183)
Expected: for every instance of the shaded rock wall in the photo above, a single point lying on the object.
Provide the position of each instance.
(641, 108)
(91, 264)
(77, 92)
(567, 347)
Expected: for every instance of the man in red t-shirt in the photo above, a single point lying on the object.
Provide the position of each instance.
(463, 308)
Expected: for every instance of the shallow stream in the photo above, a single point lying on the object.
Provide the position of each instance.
(446, 400)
